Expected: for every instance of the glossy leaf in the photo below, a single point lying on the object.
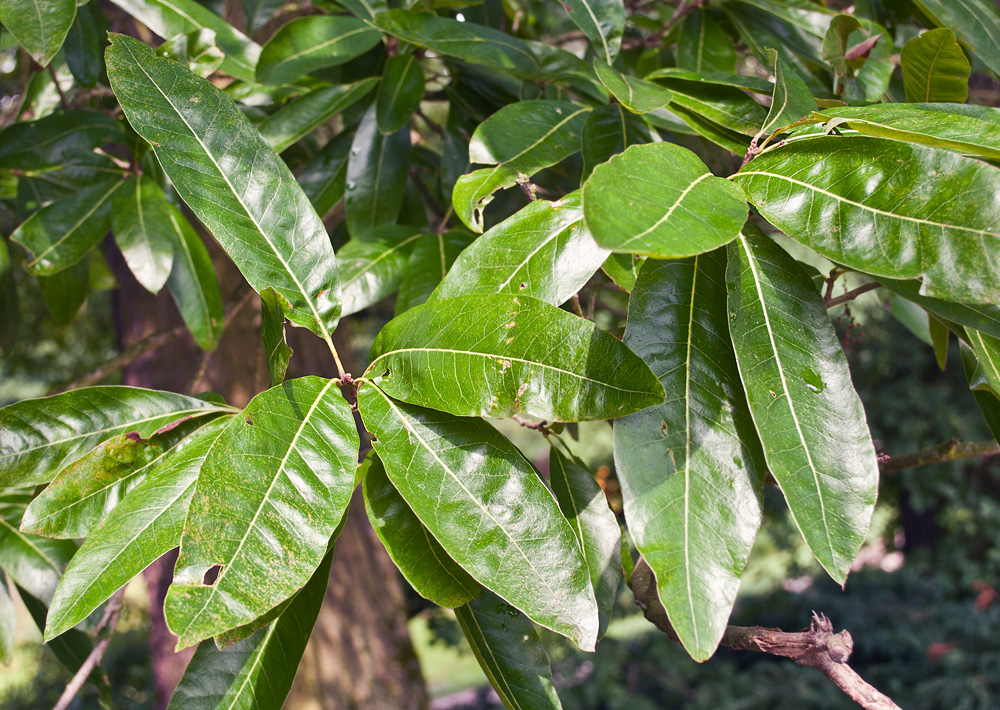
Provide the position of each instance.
(482, 500)
(140, 218)
(623, 269)
(510, 653)
(714, 133)
(501, 355)
(935, 68)
(258, 214)
(752, 84)
(373, 266)
(39, 25)
(309, 43)
(399, 93)
(983, 318)
(543, 250)
(691, 469)
(257, 673)
(144, 526)
(586, 508)
(637, 95)
(274, 308)
(323, 178)
(704, 46)
(33, 563)
(724, 106)
(83, 48)
(60, 234)
(49, 141)
(518, 140)
(792, 99)
(840, 196)
(603, 21)
(988, 403)
(685, 211)
(64, 292)
(976, 23)
(297, 119)
(987, 350)
(430, 260)
(39, 437)
(277, 481)
(809, 418)
(193, 284)
(421, 559)
(609, 130)
(376, 175)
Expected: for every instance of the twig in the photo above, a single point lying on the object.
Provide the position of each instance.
(528, 424)
(851, 295)
(423, 189)
(951, 450)
(107, 624)
(434, 126)
(818, 647)
(55, 80)
(575, 300)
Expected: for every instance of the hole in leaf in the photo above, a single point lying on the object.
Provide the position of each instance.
(386, 373)
(211, 575)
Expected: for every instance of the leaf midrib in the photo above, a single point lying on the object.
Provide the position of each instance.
(670, 211)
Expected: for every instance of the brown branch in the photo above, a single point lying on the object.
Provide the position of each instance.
(818, 647)
(528, 424)
(851, 295)
(55, 81)
(433, 125)
(951, 450)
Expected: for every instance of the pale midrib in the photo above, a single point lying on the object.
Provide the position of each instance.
(384, 255)
(319, 321)
(788, 397)
(538, 141)
(604, 40)
(493, 356)
(576, 510)
(476, 40)
(670, 211)
(66, 235)
(930, 71)
(27, 541)
(263, 501)
(402, 79)
(545, 242)
(499, 677)
(873, 210)
(142, 220)
(213, 26)
(431, 541)
(687, 456)
(990, 363)
(190, 262)
(258, 654)
(316, 48)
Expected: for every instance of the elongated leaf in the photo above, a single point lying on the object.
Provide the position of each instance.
(84, 492)
(72, 648)
(983, 318)
(543, 250)
(835, 43)
(399, 93)
(939, 341)
(603, 21)
(724, 106)
(510, 653)
(792, 99)
(421, 559)
(257, 673)
(309, 43)
(373, 266)
(64, 292)
(714, 133)
(463, 40)
(60, 234)
(277, 481)
(989, 405)
(7, 615)
(169, 18)
(841, 197)
(231, 179)
(274, 308)
(987, 350)
(33, 563)
(196, 50)
(147, 524)
(323, 178)
(38, 437)
(691, 469)
(193, 284)
(976, 23)
(140, 218)
(736, 81)
(258, 12)
(609, 130)
(55, 139)
(39, 25)
(685, 211)
(486, 505)
(432, 257)
(637, 95)
(500, 355)
(809, 418)
(518, 140)
(376, 175)
(704, 46)
(935, 68)
(583, 503)
(297, 119)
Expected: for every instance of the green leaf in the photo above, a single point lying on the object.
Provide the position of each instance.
(685, 211)
(65, 291)
(984, 318)
(432, 257)
(169, 18)
(144, 526)
(257, 673)
(83, 48)
(637, 95)
(584, 505)
(60, 234)
(835, 41)
(939, 341)
(274, 308)
(609, 130)
(140, 219)
(543, 250)
(935, 68)
(792, 99)
(989, 405)
(323, 177)
(976, 23)
(399, 93)
(736, 81)
(518, 140)
(39, 437)
(297, 119)
(84, 492)
(277, 481)
(376, 175)
(603, 21)
(501, 355)
(509, 651)
(72, 648)
(307, 44)
(463, 40)
(196, 50)
(258, 12)
(476, 493)
(623, 269)
(841, 197)
(39, 25)
(372, 266)
(710, 131)
(421, 559)
(691, 469)
(193, 284)
(704, 46)
(364, 9)
(987, 350)
(33, 563)
(809, 418)
(231, 179)
(7, 614)
(724, 106)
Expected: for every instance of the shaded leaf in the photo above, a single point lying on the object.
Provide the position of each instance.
(637, 95)
(984, 318)
(935, 68)
(609, 130)
(988, 403)
(274, 308)
(39, 25)
(258, 12)
(7, 614)
(140, 218)
(196, 50)
(83, 48)
(399, 93)
(309, 43)
(724, 106)
(193, 284)
(835, 42)
(430, 260)
(64, 292)
(703, 46)
(603, 21)
(33, 563)
(976, 23)
(297, 119)
(792, 99)
(987, 350)
(939, 341)
(372, 266)
(623, 269)
(323, 177)
(376, 175)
